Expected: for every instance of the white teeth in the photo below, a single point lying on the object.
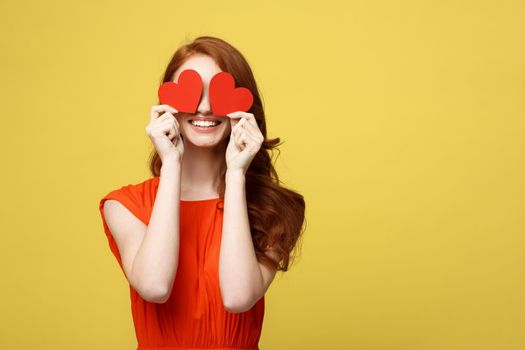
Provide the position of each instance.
(205, 123)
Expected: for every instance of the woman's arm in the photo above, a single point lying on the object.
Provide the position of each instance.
(150, 253)
(243, 280)
(156, 261)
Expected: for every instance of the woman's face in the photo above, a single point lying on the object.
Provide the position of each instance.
(198, 135)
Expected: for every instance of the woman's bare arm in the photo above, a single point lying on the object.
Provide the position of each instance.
(242, 279)
(150, 253)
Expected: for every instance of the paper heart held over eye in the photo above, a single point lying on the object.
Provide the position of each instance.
(225, 98)
(184, 95)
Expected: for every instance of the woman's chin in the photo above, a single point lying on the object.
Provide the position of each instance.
(203, 140)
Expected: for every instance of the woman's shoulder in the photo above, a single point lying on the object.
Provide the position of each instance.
(138, 189)
(144, 187)
(138, 197)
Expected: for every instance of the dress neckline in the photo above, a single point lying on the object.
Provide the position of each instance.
(201, 200)
(157, 178)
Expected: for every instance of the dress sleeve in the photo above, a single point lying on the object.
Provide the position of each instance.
(130, 197)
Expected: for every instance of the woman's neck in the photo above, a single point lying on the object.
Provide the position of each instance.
(203, 169)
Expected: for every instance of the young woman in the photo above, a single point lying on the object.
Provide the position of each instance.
(202, 239)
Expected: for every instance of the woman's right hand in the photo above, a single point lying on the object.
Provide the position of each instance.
(163, 131)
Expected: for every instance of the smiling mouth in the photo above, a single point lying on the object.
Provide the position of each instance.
(200, 123)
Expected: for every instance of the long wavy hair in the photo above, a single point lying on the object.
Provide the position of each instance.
(276, 214)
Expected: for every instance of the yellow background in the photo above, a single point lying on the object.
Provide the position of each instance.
(403, 128)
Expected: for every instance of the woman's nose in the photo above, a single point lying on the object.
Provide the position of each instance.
(204, 105)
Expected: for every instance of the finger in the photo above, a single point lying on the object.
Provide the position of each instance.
(233, 122)
(169, 117)
(251, 119)
(250, 132)
(163, 117)
(166, 116)
(235, 136)
(238, 141)
(171, 133)
(235, 115)
(251, 138)
(167, 121)
(244, 115)
(177, 129)
(243, 140)
(180, 140)
(177, 141)
(174, 126)
(158, 109)
(160, 130)
(257, 134)
(166, 126)
(254, 129)
(165, 107)
(239, 124)
(241, 132)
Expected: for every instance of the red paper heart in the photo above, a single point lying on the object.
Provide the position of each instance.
(184, 95)
(226, 98)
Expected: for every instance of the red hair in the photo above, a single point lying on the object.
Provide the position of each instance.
(276, 214)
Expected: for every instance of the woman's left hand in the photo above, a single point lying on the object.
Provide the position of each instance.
(245, 141)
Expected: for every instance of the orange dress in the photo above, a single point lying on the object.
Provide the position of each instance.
(194, 316)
